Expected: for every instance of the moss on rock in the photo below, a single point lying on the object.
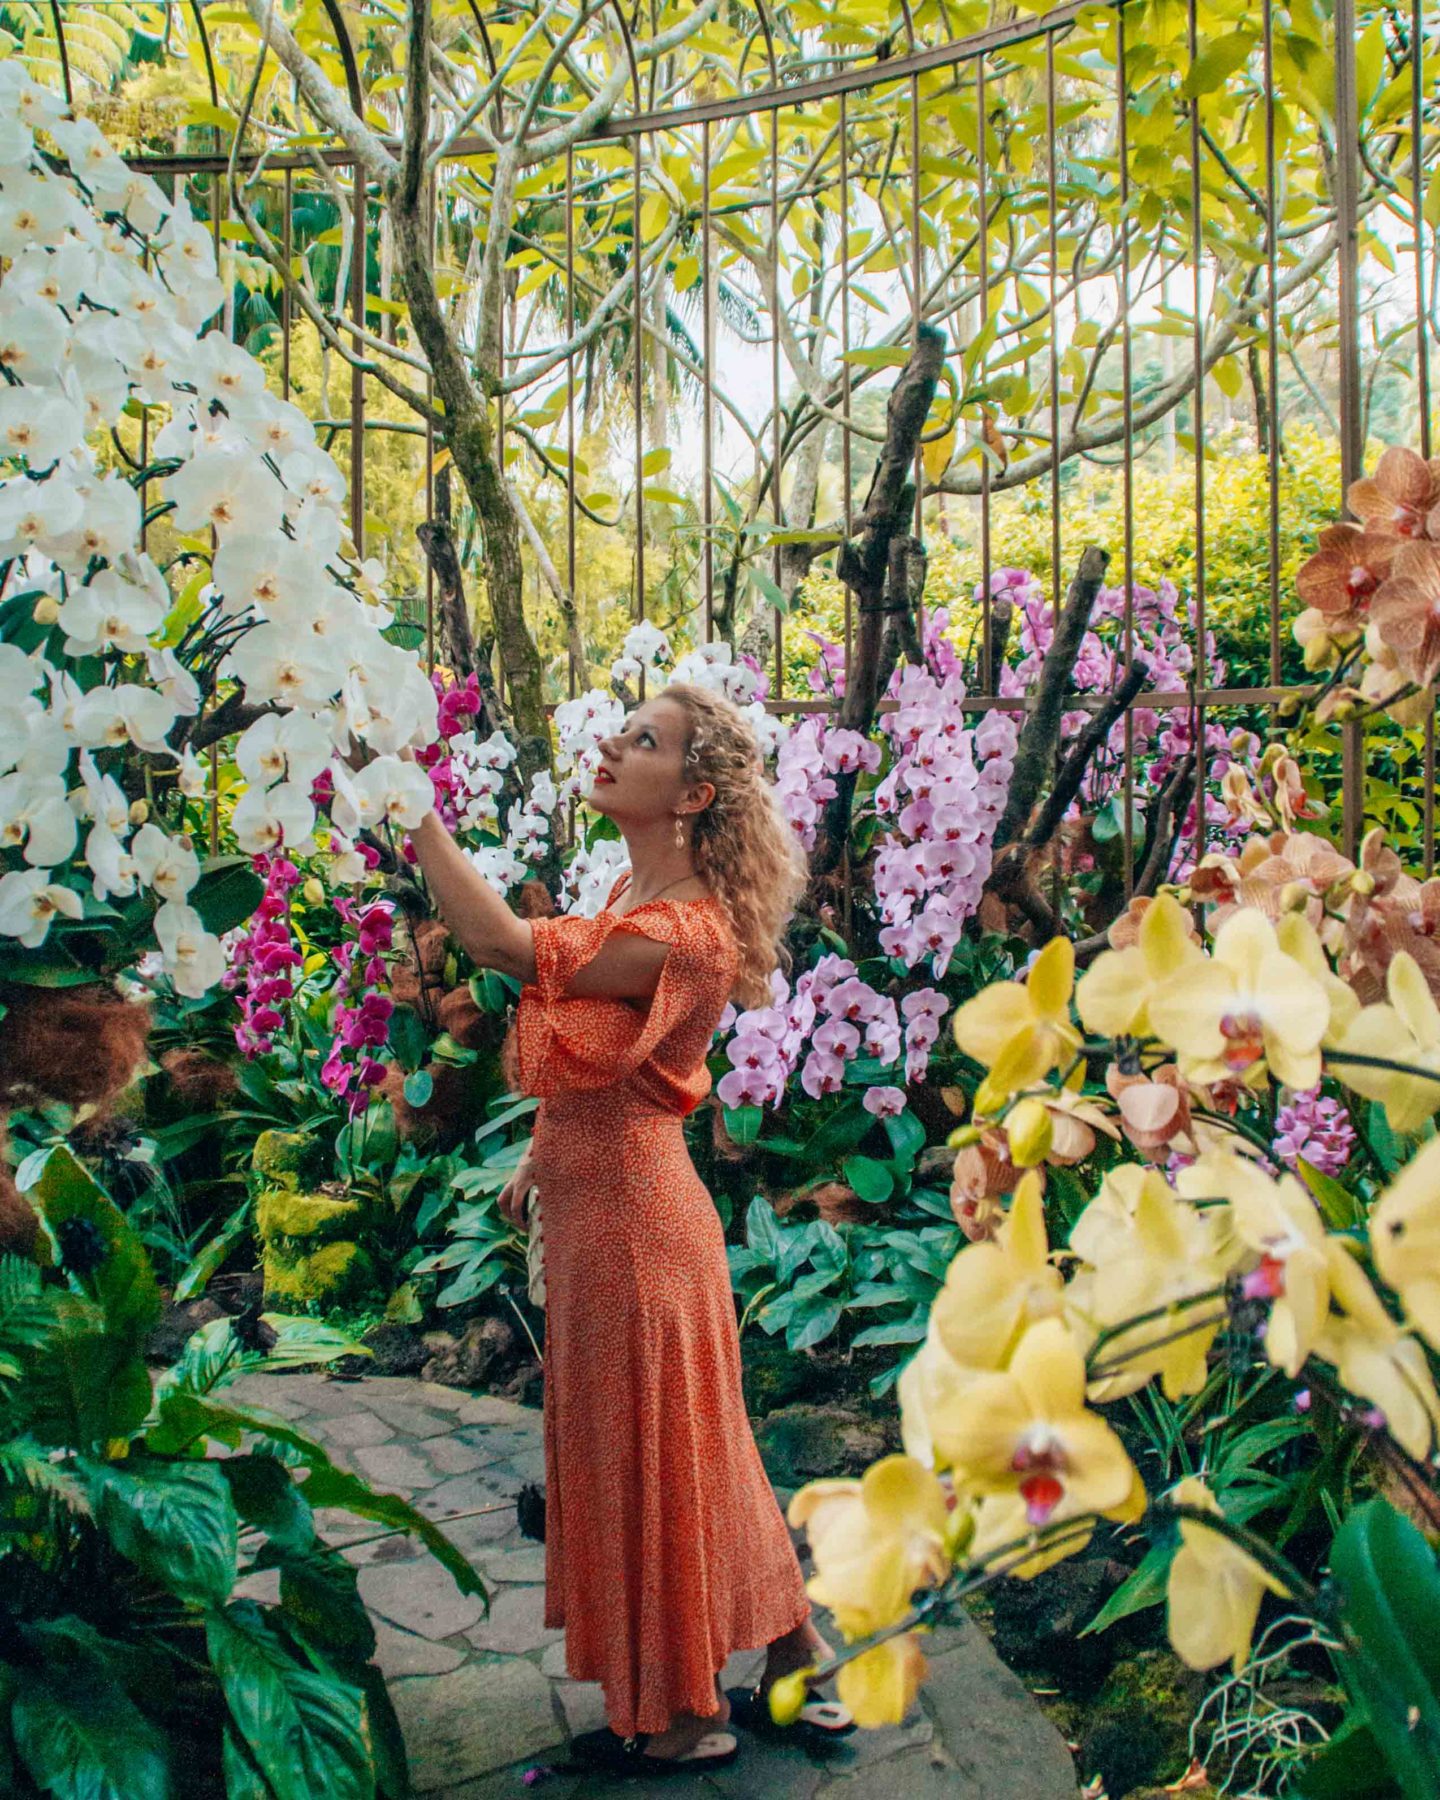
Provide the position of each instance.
(330, 1275)
(1136, 1731)
(287, 1159)
(317, 1218)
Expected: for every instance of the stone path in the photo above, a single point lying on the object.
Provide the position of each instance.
(484, 1696)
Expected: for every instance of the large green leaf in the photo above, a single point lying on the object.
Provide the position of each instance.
(321, 1597)
(76, 1730)
(123, 1282)
(267, 1497)
(303, 1728)
(175, 1521)
(186, 1419)
(1144, 1586)
(227, 893)
(209, 1258)
(1389, 1603)
(1349, 1767)
(88, 1386)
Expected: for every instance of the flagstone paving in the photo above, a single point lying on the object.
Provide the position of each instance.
(482, 1692)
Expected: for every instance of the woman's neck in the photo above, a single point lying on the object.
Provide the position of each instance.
(656, 865)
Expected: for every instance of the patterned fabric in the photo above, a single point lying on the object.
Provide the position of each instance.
(665, 1549)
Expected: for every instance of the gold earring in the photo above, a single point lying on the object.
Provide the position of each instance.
(679, 831)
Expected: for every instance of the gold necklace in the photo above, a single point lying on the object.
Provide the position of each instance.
(664, 890)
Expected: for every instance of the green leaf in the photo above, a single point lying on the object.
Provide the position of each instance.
(762, 1229)
(209, 1260)
(408, 1037)
(419, 1087)
(266, 1497)
(227, 893)
(185, 1419)
(174, 1521)
(906, 1134)
(1350, 1767)
(321, 1598)
(1143, 1587)
(77, 1732)
(124, 1283)
(898, 1331)
(1338, 1206)
(1389, 1601)
(304, 1729)
(743, 1123)
(816, 1326)
(871, 1180)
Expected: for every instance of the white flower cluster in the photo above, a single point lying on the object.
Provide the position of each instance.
(103, 305)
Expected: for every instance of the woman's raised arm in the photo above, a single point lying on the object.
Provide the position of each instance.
(483, 922)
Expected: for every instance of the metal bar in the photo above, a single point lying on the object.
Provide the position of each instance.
(575, 674)
(1127, 378)
(776, 451)
(638, 124)
(846, 471)
(982, 209)
(1052, 209)
(287, 252)
(433, 224)
(1197, 249)
(1347, 202)
(1272, 340)
(707, 328)
(916, 304)
(1422, 362)
(638, 331)
(358, 249)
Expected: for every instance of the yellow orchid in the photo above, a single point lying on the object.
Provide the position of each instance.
(1020, 1031)
(880, 1686)
(1406, 1030)
(1280, 1221)
(1113, 996)
(1150, 1250)
(874, 1541)
(1378, 1361)
(1214, 1591)
(1249, 1006)
(1025, 1435)
(1297, 937)
(993, 1291)
(1405, 1240)
(929, 1385)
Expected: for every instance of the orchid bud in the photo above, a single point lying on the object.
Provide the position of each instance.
(47, 610)
(139, 812)
(1294, 897)
(314, 891)
(963, 1137)
(1029, 1132)
(1362, 882)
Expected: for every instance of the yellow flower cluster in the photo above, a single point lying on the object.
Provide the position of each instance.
(1008, 1466)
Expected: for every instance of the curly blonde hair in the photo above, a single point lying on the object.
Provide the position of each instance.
(744, 849)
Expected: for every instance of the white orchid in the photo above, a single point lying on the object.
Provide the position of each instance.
(110, 716)
(38, 429)
(266, 819)
(264, 570)
(226, 489)
(101, 798)
(35, 816)
(33, 335)
(286, 666)
(110, 613)
(172, 679)
(36, 515)
(223, 371)
(29, 901)
(398, 792)
(283, 747)
(276, 428)
(190, 777)
(194, 957)
(167, 864)
(108, 526)
(112, 867)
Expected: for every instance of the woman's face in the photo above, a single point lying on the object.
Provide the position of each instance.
(641, 774)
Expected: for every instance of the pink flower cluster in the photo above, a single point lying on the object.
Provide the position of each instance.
(829, 1019)
(1318, 1129)
(806, 765)
(263, 959)
(361, 1020)
(945, 791)
(459, 707)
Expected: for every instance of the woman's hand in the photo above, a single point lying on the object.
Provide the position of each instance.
(515, 1195)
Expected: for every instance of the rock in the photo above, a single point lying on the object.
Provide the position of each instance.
(1137, 1728)
(1037, 1623)
(802, 1443)
(773, 1376)
(334, 1274)
(1002, 1745)
(177, 1325)
(480, 1717)
(483, 1355)
(527, 1385)
(394, 1350)
(287, 1159)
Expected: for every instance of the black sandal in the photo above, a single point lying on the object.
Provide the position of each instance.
(816, 1726)
(607, 1750)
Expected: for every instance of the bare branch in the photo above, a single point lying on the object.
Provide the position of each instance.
(323, 98)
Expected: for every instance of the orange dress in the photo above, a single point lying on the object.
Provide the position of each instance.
(665, 1549)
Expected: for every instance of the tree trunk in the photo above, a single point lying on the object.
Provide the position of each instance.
(470, 437)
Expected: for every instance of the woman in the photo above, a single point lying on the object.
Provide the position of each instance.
(664, 1548)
